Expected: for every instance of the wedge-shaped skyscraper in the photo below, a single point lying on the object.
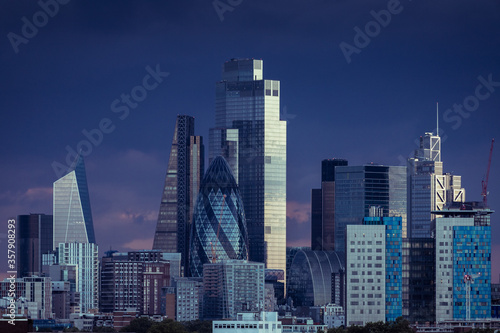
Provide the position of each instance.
(72, 213)
(219, 230)
(182, 181)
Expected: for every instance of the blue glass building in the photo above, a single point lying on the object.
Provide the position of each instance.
(219, 226)
(472, 256)
(72, 212)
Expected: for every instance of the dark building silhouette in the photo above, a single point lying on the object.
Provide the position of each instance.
(34, 238)
(182, 181)
(323, 207)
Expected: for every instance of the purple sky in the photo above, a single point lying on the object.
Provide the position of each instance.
(65, 78)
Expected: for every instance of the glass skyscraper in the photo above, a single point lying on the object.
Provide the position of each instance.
(74, 237)
(219, 225)
(72, 213)
(357, 188)
(248, 132)
(182, 181)
(429, 188)
(33, 240)
(323, 207)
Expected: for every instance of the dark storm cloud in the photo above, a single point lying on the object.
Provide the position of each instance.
(371, 110)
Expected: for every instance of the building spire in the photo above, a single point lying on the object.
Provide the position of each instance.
(437, 118)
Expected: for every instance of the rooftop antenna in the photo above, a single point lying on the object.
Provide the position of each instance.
(437, 118)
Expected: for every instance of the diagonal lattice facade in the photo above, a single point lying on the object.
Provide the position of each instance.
(219, 224)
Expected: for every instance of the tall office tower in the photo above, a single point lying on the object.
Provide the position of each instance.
(323, 207)
(219, 229)
(72, 213)
(182, 181)
(250, 135)
(86, 257)
(463, 263)
(419, 280)
(374, 271)
(232, 286)
(429, 188)
(74, 237)
(357, 188)
(34, 238)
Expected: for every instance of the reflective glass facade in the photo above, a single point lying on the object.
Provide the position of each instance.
(429, 189)
(34, 238)
(182, 181)
(251, 105)
(72, 213)
(472, 256)
(419, 276)
(219, 223)
(374, 270)
(310, 278)
(323, 207)
(86, 258)
(357, 188)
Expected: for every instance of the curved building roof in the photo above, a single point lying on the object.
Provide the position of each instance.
(219, 223)
(310, 277)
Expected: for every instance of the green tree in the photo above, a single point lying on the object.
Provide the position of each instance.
(71, 329)
(168, 326)
(198, 326)
(337, 330)
(138, 325)
(400, 325)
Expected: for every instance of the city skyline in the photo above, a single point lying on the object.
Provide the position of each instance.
(65, 80)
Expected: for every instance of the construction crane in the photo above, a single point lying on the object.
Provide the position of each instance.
(214, 254)
(484, 183)
(469, 279)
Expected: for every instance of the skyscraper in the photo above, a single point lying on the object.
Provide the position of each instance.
(463, 262)
(323, 207)
(72, 213)
(429, 189)
(219, 227)
(248, 132)
(182, 181)
(357, 188)
(34, 239)
(74, 237)
(374, 270)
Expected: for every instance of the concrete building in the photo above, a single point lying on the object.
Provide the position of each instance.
(33, 296)
(134, 280)
(232, 286)
(463, 263)
(374, 270)
(250, 322)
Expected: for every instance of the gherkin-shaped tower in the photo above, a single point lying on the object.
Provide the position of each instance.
(219, 230)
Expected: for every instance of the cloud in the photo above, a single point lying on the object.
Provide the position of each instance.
(139, 244)
(298, 211)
